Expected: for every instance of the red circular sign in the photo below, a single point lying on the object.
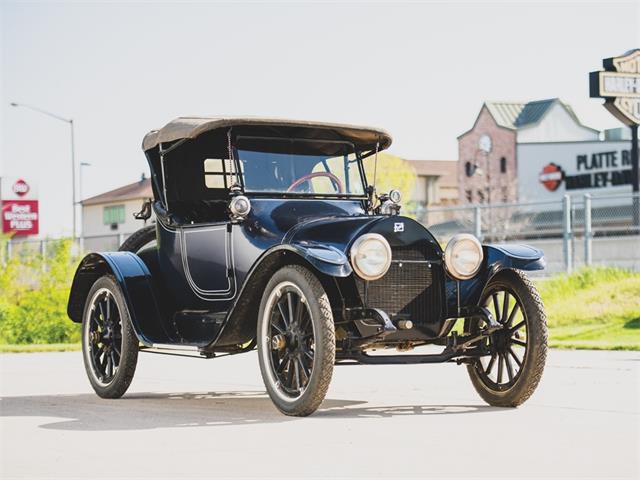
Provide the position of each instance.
(551, 176)
(21, 188)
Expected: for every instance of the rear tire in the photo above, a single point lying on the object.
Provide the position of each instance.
(139, 239)
(519, 350)
(296, 341)
(109, 344)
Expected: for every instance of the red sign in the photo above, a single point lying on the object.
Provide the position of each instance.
(20, 217)
(551, 176)
(20, 188)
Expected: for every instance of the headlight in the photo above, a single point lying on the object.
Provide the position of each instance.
(240, 206)
(371, 256)
(463, 256)
(395, 196)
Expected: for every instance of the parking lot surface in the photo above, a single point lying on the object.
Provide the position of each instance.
(194, 418)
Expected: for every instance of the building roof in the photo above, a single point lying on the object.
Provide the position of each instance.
(446, 170)
(516, 115)
(134, 191)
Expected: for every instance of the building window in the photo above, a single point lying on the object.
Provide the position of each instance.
(113, 215)
(480, 196)
(503, 165)
(468, 168)
(431, 194)
(469, 195)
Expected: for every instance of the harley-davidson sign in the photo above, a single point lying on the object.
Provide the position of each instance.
(551, 177)
(595, 170)
(619, 85)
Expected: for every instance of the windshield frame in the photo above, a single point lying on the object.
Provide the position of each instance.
(336, 195)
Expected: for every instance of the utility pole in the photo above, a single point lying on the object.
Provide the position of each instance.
(73, 154)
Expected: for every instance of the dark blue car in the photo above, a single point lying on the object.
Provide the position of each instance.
(269, 235)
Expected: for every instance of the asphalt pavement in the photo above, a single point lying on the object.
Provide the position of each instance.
(186, 418)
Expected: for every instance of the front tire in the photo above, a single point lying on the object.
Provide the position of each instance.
(109, 344)
(296, 341)
(510, 375)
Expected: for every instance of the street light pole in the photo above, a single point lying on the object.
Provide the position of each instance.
(73, 177)
(82, 164)
(73, 152)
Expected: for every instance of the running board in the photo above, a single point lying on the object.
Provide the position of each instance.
(191, 351)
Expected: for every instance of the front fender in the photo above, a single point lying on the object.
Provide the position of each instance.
(325, 258)
(522, 257)
(496, 259)
(134, 279)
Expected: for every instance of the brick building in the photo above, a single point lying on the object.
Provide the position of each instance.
(488, 169)
(436, 182)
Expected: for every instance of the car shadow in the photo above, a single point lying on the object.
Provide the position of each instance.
(144, 411)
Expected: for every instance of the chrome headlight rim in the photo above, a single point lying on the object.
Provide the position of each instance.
(395, 196)
(240, 206)
(357, 245)
(450, 250)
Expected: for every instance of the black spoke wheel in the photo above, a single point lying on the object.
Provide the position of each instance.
(510, 374)
(105, 336)
(292, 340)
(296, 341)
(140, 240)
(110, 348)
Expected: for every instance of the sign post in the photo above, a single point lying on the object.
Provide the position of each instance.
(619, 85)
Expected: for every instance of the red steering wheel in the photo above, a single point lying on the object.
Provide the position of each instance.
(305, 178)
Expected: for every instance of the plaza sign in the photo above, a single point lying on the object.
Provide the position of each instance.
(20, 212)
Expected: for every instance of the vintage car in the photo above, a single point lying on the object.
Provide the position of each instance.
(268, 234)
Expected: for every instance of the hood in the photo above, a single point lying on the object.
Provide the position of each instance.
(341, 232)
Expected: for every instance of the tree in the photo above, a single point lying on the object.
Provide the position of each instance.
(393, 173)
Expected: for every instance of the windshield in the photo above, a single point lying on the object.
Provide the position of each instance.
(300, 166)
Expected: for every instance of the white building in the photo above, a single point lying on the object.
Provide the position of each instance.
(538, 151)
(109, 216)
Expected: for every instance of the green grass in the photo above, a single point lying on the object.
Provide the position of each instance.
(39, 347)
(593, 308)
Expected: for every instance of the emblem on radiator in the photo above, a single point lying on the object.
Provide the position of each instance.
(398, 227)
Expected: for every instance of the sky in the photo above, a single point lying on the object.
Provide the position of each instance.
(421, 70)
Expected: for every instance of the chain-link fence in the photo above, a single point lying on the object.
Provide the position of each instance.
(586, 230)
(28, 249)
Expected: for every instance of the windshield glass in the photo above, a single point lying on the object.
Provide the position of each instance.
(300, 166)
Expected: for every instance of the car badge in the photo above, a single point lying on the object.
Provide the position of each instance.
(398, 227)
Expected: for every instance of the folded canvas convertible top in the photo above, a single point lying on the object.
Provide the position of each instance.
(365, 138)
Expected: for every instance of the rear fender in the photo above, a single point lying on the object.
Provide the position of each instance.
(134, 279)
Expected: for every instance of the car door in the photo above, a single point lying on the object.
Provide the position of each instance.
(206, 252)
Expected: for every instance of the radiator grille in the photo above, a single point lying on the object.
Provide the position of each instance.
(410, 289)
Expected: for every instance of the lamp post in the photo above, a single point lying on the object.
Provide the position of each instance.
(82, 164)
(73, 153)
